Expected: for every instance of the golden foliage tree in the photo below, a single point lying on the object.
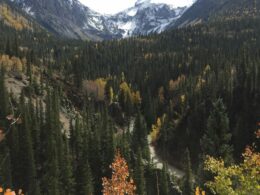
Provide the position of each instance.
(136, 97)
(101, 83)
(126, 90)
(120, 183)
(156, 130)
(12, 63)
(199, 191)
(10, 192)
(242, 179)
(13, 19)
(173, 84)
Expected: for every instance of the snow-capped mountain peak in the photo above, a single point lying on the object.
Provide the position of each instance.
(145, 17)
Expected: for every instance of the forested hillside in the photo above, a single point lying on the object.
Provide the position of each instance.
(209, 10)
(68, 107)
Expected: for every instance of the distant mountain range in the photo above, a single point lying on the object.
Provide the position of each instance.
(71, 19)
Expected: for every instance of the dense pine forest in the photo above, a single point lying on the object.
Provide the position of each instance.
(68, 107)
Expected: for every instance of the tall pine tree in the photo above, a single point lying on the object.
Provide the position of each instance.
(216, 139)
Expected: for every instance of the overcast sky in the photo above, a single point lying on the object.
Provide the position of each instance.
(115, 6)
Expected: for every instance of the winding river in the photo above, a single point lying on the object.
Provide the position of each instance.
(157, 161)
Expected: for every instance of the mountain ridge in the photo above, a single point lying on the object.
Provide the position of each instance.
(208, 10)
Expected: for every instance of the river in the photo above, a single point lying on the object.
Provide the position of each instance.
(157, 161)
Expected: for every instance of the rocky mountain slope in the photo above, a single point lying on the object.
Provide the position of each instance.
(68, 18)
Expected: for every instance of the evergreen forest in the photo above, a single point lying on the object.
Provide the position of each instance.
(68, 107)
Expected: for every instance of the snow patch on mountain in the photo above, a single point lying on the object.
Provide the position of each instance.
(127, 28)
(29, 11)
(139, 2)
(131, 12)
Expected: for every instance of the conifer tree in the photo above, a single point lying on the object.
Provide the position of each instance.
(51, 169)
(27, 171)
(83, 173)
(67, 180)
(29, 67)
(139, 174)
(8, 48)
(36, 133)
(139, 137)
(125, 146)
(5, 168)
(14, 146)
(217, 137)
(164, 187)
(85, 180)
(95, 153)
(15, 46)
(77, 139)
(188, 180)
(4, 97)
(107, 144)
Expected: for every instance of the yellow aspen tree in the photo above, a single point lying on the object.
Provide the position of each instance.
(156, 130)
